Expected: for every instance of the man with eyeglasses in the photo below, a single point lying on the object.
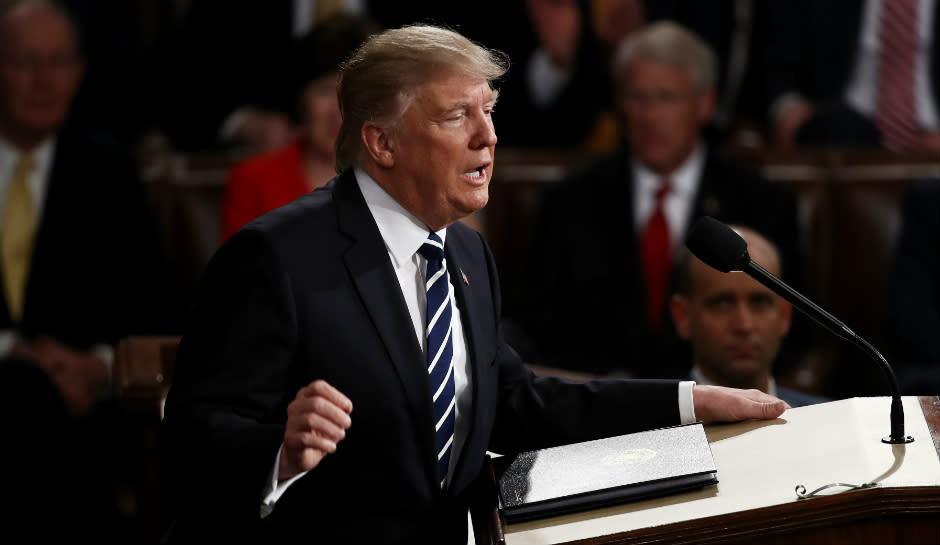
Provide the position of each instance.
(598, 270)
(81, 267)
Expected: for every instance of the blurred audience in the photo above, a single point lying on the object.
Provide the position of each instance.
(232, 79)
(912, 319)
(264, 182)
(560, 95)
(849, 73)
(595, 283)
(734, 323)
(122, 80)
(81, 266)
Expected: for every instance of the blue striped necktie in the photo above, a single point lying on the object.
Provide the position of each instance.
(440, 350)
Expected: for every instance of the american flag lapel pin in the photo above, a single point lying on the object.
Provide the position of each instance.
(463, 275)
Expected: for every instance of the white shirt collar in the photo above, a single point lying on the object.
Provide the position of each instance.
(9, 155)
(38, 182)
(684, 180)
(402, 232)
(684, 187)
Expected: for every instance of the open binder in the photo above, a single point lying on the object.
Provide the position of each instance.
(580, 476)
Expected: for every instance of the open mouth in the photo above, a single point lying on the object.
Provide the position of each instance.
(476, 176)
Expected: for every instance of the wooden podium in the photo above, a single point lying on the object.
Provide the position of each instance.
(760, 465)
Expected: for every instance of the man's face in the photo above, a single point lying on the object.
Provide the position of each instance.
(443, 148)
(664, 113)
(735, 324)
(40, 71)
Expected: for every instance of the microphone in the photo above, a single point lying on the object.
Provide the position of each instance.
(722, 249)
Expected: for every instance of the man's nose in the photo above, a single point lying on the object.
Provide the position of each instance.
(485, 134)
(742, 317)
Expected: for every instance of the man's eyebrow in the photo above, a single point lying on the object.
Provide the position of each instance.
(462, 105)
(465, 104)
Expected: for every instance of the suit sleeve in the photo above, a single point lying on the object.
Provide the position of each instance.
(224, 413)
(537, 412)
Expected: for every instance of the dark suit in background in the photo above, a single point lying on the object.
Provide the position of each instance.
(97, 274)
(581, 299)
(99, 270)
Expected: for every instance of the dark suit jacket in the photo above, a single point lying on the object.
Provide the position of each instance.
(308, 292)
(98, 269)
(581, 301)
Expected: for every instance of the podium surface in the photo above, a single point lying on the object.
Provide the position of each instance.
(761, 464)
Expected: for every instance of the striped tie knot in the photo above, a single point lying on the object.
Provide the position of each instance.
(433, 249)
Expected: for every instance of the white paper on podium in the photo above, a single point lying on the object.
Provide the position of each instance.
(760, 464)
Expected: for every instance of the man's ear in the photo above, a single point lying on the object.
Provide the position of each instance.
(376, 140)
(679, 306)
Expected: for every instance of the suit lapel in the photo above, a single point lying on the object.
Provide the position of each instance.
(372, 274)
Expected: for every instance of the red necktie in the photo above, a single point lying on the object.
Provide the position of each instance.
(656, 249)
(896, 114)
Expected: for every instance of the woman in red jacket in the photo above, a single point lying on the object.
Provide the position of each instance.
(268, 180)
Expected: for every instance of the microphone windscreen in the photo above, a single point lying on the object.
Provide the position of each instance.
(718, 245)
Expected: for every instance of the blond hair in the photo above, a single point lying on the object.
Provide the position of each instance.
(378, 81)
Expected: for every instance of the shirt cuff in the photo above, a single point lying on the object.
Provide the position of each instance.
(273, 491)
(686, 404)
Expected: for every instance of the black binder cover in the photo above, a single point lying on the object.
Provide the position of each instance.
(580, 476)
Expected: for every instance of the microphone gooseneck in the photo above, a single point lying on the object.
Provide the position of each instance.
(721, 248)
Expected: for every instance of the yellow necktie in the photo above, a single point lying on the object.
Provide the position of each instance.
(16, 236)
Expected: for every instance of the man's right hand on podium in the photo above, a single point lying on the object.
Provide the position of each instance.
(722, 404)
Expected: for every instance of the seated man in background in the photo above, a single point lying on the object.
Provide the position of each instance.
(81, 266)
(734, 323)
(618, 221)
